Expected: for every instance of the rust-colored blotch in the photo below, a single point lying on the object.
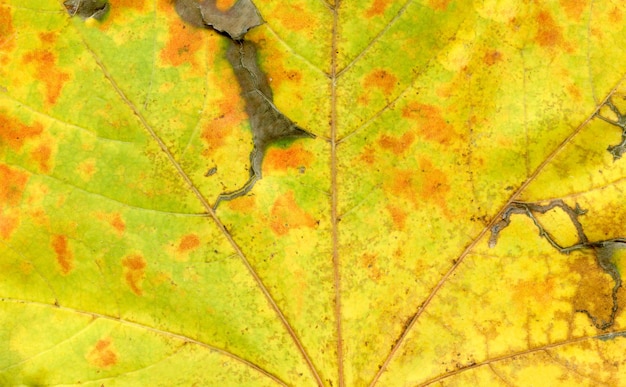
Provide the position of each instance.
(397, 146)
(382, 80)
(15, 133)
(288, 158)
(134, 272)
(287, 215)
(182, 45)
(431, 124)
(549, 34)
(103, 354)
(377, 9)
(188, 242)
(64, 255)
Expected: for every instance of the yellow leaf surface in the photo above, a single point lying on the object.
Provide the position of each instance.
(457, 220)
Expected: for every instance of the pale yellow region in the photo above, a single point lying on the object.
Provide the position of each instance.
(498, 10)
(87, 168)
(456, 56)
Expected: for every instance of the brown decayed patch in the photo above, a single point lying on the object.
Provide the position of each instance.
(397, 146)
(377, 9)
(439, 5)
(286, 215)
(134, 272)
(549, 34)
(492, 57)
(188, 242)
(7, 38)
(41, 155)
(594, 291)
(287, 158)
(15, 133)
(431, 124)
(182, 45)
(134, 4)
(65, 258)
(46, 71)
(382, 80)
(12, 186)
(8, 224)
(368, 262)
(231, 114)
(574, 8)
(103, 354)
(398, 216)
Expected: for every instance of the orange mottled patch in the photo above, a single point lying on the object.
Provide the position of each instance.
(382, 80)
(242, 204)
(492, 57)
(188, 242)
(138, 5)
(368, 156)
(616, 15)
(103, 354)
(574, 8)
(287, 215)
(397, 146)
(231, 114)
(118, 223)
(134, 272)
(377, 9)
(8, 224)
(289, 158)
(7, 35)
(549, 34)
(14, 133)
(294, 17)
(12, 186)
(224, 5)
(65, 258)
(428, 185)
(368, 262)
(182, 45)
(439, 5)
(398, 216)
(41, 155)
(87, 169)
(431, 124)
(574, 92)
(46, 71)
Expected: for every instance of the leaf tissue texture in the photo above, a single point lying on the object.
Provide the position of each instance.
(362, 258)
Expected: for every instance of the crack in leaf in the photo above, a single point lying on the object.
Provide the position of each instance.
(604, 250)
(86, 9)
(616, 150)
(235, 21)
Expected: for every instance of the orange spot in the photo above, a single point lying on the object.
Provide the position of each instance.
(7, 36)
(573, 8)
(11, 186)
(103, 355)
(368, 156)
(429, 185)
(287, 215)
(134, 272)
(45, 62)
(14, 133)
(118, 223)
(575, 92)
(188, 242)
(549, 34)
(288, 158)
(41, 155)
(65, 258)
(48, 37)
(431, 124)
(398, 215)
(224, 5)
(294, 17)
(397, 146)
(368, 262)
(377, 9)
(492, 58)
(439, 5)
(616, 15)
(8, 224)
(182, 46)
(230, 115)
(134, 4)
(382, 80)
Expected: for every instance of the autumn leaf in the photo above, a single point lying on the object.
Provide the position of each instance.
(457, 219)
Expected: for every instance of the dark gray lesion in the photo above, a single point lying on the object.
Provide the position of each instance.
(616, 150)
(268, 124)
(86, 9)
(603, 250)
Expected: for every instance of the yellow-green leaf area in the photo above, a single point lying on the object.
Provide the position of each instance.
(456, 221)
